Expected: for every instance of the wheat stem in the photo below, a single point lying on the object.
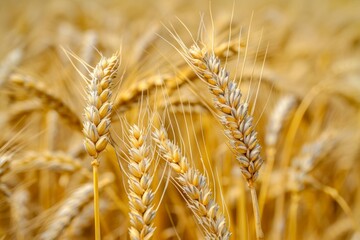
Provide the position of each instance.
(259, 232)
(95, 166)
(294, 205)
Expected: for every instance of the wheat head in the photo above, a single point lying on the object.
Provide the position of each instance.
(141, 196)
(99, 107)
(235, 114)
(48, 99)
(196, 188)
(70, 208)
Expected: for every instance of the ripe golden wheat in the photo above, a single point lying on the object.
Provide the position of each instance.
(146, 120)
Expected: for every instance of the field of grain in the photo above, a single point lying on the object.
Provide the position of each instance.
(180, 119)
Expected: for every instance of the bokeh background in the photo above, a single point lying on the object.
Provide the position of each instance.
(299, 63)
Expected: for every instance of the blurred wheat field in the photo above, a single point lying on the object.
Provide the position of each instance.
(174, 100)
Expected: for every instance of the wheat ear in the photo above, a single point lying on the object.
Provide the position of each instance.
(70, 208)
(84, 220)
(235, 117)
(196, 188)
(98, 119)
(48, 99)
(299, 172)
(55, 161)
(273, 129)
(141, 196)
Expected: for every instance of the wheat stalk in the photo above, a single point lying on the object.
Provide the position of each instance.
(98, 119)
(141, 196)
(235, 117)
(196, 188)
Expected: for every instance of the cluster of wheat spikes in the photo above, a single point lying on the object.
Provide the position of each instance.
(145, 120)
